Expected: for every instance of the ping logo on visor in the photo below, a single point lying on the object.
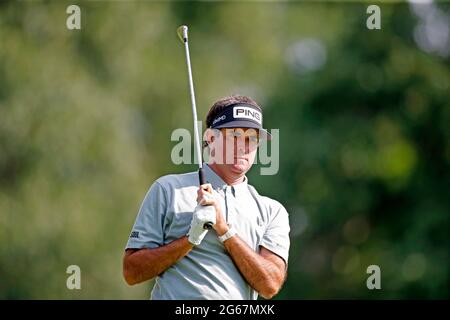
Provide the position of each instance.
(247, 113)
(239, 115)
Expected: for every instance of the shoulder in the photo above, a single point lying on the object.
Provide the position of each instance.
(177, 181)
(271, 205)
(166, 187)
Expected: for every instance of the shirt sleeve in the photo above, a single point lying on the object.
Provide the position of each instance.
(276, 237)
(148, 231)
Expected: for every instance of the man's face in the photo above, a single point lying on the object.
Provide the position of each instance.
(234, 148)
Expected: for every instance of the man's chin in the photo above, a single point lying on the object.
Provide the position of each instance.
(239, 167)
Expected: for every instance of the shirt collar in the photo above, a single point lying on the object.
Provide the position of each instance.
(218, 183)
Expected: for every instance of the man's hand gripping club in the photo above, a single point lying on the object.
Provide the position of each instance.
(207, 210)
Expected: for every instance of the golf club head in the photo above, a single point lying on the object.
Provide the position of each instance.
(182, 32)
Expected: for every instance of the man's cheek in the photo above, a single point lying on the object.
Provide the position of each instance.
(252, 156)
(229, 152)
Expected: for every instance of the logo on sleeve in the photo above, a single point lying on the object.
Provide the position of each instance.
(134, 234)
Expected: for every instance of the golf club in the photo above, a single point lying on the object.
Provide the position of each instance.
(183, 35)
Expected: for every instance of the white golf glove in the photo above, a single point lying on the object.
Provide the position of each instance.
(202, 214)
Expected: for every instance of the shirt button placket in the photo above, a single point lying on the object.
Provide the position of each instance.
(230, 205)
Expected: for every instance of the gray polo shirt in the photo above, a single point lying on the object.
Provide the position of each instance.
(207, 271)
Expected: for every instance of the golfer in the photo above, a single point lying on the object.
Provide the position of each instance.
(246, 251)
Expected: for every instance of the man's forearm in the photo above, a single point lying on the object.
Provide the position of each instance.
(261, 273)
(145, 264)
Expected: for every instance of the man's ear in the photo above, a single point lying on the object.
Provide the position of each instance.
(209, 136)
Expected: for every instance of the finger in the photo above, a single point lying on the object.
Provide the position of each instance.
(204, 202)
(206, 187)
(207, 200)
(203, 193)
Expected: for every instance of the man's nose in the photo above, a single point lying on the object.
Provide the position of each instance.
(241, 146)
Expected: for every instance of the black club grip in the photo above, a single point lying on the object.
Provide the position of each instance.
(201, 177)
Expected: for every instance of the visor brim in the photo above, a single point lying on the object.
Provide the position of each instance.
(263, 133)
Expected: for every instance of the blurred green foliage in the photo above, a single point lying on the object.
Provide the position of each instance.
(86, 118)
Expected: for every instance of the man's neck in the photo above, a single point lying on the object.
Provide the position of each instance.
(228, 179)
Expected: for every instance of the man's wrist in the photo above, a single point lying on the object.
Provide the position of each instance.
(222, 229)
(230, 233)
(191, 244)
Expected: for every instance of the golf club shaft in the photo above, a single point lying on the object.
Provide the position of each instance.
(182, 32)
(194, 113)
